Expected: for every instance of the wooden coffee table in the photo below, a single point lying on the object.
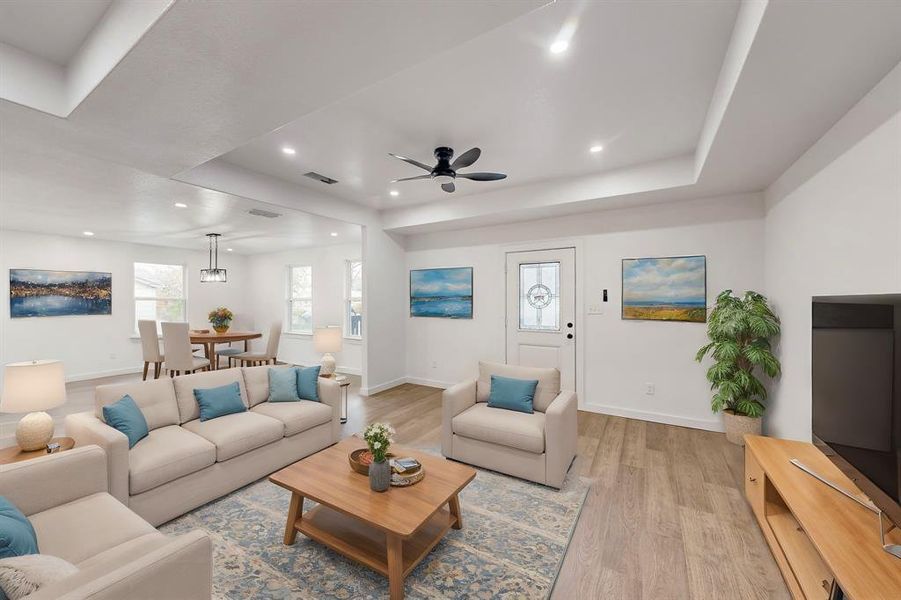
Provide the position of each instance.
(389, 532)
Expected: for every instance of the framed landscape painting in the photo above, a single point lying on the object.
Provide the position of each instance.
(443, 293)
(665, 289)
(34, 293)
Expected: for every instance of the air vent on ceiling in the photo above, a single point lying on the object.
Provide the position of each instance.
(257, 212)
(322, 178)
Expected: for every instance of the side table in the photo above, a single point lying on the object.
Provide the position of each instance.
(14, 454)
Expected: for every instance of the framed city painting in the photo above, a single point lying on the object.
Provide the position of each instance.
(665, 289)
(445, 293)
(34, 293)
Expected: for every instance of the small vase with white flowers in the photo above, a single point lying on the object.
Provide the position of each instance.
(378, 438)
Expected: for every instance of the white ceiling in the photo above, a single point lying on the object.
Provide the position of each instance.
(212, 91)
(637, 79)
(50, 29)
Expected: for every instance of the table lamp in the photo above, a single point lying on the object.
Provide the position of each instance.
(33, 387)
(327, 340)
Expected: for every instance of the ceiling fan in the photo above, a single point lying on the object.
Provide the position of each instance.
(446, 171)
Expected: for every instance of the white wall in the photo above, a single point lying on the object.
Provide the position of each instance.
(833, 226)
(99, 345)
(268, 285)
(617, 357)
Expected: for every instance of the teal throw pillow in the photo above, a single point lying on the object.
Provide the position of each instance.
(17, 536)
(219, 401)
(283, 385)
(308, 383)
(512, 394)
(125, 416)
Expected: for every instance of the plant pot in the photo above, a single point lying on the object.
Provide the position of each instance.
(379, 476)
(738, 425)
(220, 329)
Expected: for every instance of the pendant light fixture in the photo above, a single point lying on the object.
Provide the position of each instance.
(214, 274)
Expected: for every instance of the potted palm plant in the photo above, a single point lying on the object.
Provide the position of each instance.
(740, 330)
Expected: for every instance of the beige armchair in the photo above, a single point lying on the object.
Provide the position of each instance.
(539, 447)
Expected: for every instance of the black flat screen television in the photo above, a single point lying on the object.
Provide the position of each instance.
(856, 385)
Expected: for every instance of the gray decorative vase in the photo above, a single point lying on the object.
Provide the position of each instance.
(380, 476)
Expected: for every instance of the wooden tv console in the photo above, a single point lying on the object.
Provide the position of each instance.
(817, 535)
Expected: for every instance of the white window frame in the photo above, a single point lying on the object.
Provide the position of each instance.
(290, 300)
(135, 298)
(348, 299)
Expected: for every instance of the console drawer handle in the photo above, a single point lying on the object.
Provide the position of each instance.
(753, 479)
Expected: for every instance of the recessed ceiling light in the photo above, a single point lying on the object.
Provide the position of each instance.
(229, 250)
(595, 149)
(394, 193)
(334, 234)
(559, 47)
(289, 151)
(181, 205)
(88, 233)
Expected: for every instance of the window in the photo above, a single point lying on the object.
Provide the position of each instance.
(159, 293)
(300, 299)
(539, 296)
(353, 299)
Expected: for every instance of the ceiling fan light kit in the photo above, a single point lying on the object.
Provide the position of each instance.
(445, 172)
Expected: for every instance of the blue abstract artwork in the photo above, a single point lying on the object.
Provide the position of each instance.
(665, 289)
(443, 293)
(35, 293)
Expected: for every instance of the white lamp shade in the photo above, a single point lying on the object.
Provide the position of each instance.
(33, 386)
(327, 339)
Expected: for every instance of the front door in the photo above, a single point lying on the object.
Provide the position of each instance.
(541, 310)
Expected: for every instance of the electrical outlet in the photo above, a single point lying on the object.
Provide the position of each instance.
(112, 356)
(649, 389)
(434, 364)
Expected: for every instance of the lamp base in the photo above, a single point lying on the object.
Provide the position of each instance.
(328, 364)
(34, 431)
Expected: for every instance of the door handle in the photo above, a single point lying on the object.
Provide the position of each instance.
(570, 325)
(569, 336)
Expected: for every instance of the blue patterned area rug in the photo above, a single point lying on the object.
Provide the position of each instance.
(512, 544)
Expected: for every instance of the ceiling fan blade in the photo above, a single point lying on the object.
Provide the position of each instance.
(448, 187)
(481, 176)
(412, 178)
(412, 162)
(466, 159)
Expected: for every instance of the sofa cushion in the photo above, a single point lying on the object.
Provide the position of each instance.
(23, 575)
(17, 536)
(238, 433)
(548, 382)
(524, 431)
(219, 401)
(165, 455)
(87, 526)
(186, 384)
(512, 394)
(297, 416)
(283, 385)
(308, 383)
(256, 381)
(125, 416)
(155, 398)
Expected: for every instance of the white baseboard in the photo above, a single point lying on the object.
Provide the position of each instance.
(655, 417)
(102, 374)
(349, 370)
(429, 382)
(381, 387)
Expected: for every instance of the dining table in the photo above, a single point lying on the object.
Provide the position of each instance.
(209, 338)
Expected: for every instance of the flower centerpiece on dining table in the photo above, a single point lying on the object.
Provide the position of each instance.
(220, 319)
(378, 438)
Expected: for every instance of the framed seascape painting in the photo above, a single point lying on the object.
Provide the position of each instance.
(34, 293)
(443, 293)
(665, 289)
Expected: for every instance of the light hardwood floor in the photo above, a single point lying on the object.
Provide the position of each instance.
(665, 518)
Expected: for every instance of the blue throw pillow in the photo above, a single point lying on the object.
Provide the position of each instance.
(283, 385)
(125, 416)
(308, 383)
(219, 401)
(17, 536)
(512, 394)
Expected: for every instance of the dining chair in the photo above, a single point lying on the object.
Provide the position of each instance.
(229, 352)
(150, 347)
(267, 357)
(177, 345)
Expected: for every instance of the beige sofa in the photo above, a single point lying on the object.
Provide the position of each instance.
(118, 554)
(539, 446)
(184, 462)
